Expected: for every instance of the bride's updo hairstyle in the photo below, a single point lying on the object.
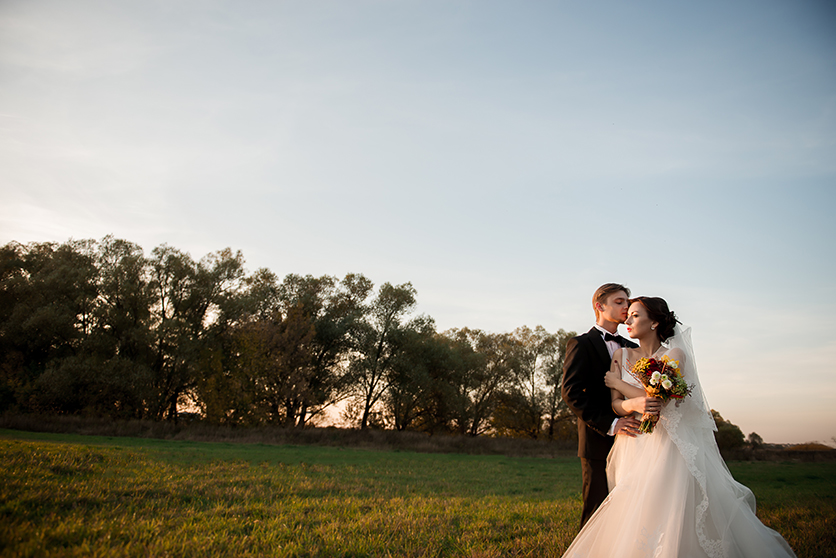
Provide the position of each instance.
(658, 311)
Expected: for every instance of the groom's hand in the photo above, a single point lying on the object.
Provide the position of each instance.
(627, 426)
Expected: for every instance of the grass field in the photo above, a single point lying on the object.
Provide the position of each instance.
(72, 495)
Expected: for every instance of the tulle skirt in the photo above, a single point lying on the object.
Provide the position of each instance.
(657, 507)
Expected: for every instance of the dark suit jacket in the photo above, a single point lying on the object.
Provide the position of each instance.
(583, 389)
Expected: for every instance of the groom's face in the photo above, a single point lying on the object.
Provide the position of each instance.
(614, 308)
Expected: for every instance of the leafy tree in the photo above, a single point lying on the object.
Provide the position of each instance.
(121, 342)
(560, 420)
(461, 378)
(279, 355)
(122, 315)
(258, 299)
(531, 402)
(522, 406)
(374, 349)
(109, 370)
(55, 298)
(419, 388)
(227, 389)
(336, 310)
(188, 299)
(754, 440)
(249, 356)
(511, 416)
(177, 319)
(484, 367)
(438, 396)
(50, 292)
(13, 286)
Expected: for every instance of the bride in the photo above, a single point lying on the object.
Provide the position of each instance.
(671, 494)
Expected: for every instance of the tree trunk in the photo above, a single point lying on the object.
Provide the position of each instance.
(172, 408)
(290, 413)
(303, 412)
(364, 422)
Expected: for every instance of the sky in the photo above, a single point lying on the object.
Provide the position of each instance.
(506, 158)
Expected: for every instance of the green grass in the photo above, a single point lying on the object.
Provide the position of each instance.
(73, 495)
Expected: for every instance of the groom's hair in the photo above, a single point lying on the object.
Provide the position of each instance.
(604, 291)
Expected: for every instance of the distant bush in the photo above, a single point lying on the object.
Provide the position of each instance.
(754, 440)
(728, 435)
(809, 446)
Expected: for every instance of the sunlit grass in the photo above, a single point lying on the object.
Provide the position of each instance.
(63, 495)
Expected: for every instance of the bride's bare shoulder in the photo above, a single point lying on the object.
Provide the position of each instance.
(677, 354)
(632, 356)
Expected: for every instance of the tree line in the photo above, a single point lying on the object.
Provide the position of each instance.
(98, 327)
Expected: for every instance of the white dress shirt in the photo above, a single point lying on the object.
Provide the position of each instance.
(612, 346)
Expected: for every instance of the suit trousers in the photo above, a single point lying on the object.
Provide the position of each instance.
(595, 487)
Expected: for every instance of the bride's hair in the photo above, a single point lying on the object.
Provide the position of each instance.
(658, 311)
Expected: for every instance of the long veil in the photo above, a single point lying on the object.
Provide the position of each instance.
(722, 503)
(690, 424)
(693, 410)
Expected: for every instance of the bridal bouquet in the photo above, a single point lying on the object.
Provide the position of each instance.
(661, 379)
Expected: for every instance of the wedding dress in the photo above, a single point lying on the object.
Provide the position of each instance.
(671, 494)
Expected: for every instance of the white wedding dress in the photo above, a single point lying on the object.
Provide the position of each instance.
(671, 494)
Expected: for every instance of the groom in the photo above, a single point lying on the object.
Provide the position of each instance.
(587, 359)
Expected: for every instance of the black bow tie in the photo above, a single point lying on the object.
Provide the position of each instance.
(617, 338)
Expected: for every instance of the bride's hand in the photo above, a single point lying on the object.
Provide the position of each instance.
(610, 379)
(644, 405)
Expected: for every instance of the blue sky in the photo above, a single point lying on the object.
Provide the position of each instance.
(504, 157)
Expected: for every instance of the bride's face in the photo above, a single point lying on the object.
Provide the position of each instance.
(638, 322)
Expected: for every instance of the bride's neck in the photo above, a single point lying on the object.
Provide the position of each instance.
(649, 345)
